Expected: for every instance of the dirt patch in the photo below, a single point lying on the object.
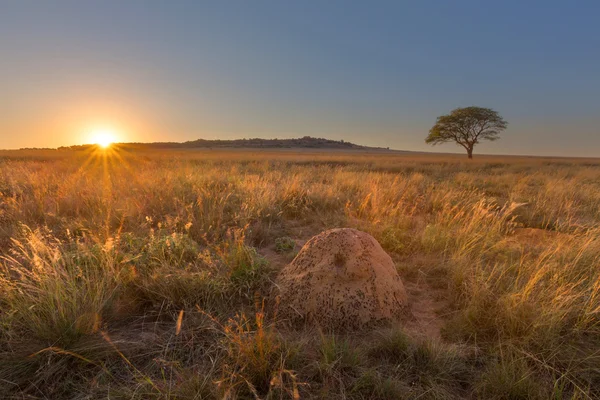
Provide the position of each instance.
(426, 306)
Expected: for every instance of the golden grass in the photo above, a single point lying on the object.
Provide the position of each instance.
(114, 244)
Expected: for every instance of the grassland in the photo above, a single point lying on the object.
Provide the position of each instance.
(151, 275)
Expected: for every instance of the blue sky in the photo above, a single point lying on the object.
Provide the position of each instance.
(373, 72)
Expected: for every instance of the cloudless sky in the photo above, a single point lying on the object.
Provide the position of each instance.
(371, 72)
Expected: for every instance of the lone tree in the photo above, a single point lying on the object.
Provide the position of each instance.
(467, 126)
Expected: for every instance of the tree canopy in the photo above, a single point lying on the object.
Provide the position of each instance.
(467, 126)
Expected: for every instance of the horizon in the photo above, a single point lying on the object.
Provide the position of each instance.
(116, 147)
(375, 75)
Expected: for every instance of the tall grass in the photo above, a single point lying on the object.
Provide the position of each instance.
(56, 291)
(117, 245)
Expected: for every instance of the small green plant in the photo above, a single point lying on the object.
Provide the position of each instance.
(395, 240)
(337, 355)
(247, 271)
(284, 244)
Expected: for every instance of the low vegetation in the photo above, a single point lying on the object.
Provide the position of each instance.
(151, 275)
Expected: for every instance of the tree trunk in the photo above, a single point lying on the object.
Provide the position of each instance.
(470, 152)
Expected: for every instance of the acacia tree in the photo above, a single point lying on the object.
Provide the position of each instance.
(467, 126)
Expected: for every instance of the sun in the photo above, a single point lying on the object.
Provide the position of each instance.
(103, 137)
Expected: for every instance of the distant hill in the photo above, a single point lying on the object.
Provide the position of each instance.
(305, 142)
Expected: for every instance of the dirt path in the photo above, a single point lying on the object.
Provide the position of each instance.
(426, 304)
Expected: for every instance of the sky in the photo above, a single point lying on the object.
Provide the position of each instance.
(370, 72)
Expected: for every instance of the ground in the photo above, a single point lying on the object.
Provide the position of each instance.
(153, 274)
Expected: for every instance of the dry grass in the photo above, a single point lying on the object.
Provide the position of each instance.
(150, 275)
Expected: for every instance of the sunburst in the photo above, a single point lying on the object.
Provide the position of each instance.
(104, 138)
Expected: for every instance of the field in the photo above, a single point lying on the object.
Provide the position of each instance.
(152, 275)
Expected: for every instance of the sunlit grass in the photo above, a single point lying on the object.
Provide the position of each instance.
(120, 242)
